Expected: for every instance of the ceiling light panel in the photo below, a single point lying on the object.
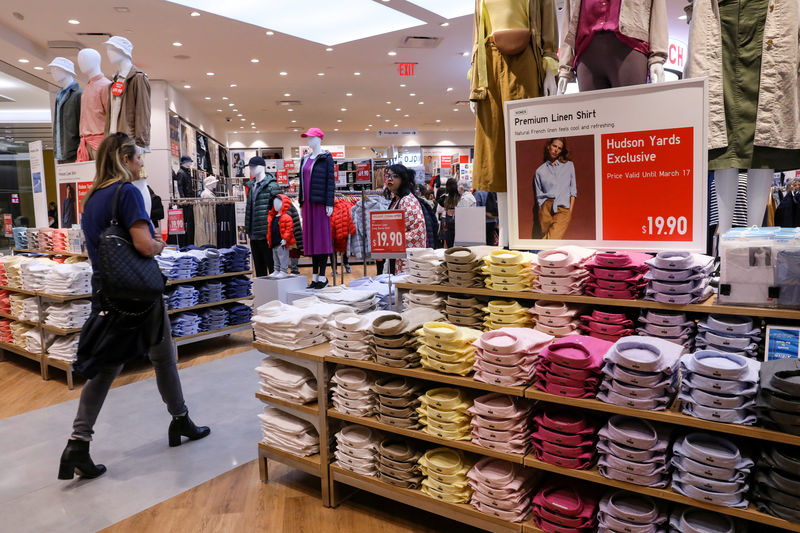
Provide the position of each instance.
(447, 8)
(336, 27)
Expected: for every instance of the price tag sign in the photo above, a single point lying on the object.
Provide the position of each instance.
(387, 235)
(175, 222)
(362, 172)
(282, 177)
(288, 164)
(446, 161)
(117, 88)
(8, 225)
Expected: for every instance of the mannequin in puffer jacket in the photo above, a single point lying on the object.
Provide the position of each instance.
(281, 233)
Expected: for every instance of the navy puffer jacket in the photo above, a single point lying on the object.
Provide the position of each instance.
(323, 180)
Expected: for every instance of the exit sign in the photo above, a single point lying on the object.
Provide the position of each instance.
(405, 69)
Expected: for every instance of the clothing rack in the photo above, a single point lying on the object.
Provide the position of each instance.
(215, 200)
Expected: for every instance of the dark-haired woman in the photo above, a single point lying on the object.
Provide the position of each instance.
(555, 189)
(400, 182)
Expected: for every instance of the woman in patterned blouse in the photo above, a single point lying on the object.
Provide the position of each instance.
(400, 181)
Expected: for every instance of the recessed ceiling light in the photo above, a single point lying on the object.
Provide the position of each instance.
(397, 109)
(122, 9)
(386, 120)
(74, 21)
(370, 125)
(290, 110)
(406, 115)
(464, 54)
(377, 116)
(232, 85)
(294, 121)
(682, 17)
(329, 49)
(392, 53)
(242, 119)
(420, 102)
(348, 94)
(412, 94)
(449, 89)
(287, 94)
(343, 109)
(444, 24)
(295, 129)
(235, 110)
(388, 102)
(320, 73)
(338, 120)
(23, 60)
(38, 68)
(335, 129)
(231, 105)
(239, 115)
(253, 127)
(219, 110)
(270, 33)
(252, 123)
(224, 97)
(187, 86)
(283, 73)
(402, 85)
(395, 125)
(356, 74)
(207, 98)
(209, 73)
(176, 43)
(194, 14)
(455, 109)
(366, 129)
(255, 60)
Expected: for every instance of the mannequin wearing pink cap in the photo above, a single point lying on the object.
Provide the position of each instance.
(317, 186)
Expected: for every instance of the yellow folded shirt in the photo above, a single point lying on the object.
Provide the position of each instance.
(504, 307)
(449, 498)
(449, 435)
(453, 427)
(460, 369)
(505, 257)
(461, 356)
(453, 487)
(445, 461)
(446, 399)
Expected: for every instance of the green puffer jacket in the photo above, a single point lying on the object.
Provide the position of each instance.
(255, 217)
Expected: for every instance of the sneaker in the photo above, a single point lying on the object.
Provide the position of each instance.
(321, 284)
(347, 268)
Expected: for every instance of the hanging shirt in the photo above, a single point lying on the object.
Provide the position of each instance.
(94, 106)
(602, 15)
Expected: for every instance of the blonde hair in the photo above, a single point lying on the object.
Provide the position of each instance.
(110, 164)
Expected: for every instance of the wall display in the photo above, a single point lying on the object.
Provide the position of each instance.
(189, 143)
(783, 342)
(202, 160)
(175, 135)
(213, 157)
(621, 168)
(237, 164)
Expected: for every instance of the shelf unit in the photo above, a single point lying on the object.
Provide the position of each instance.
(312, 359)
(48, 252)
(207, 278)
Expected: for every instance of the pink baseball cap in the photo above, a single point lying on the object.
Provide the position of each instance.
(313, 132)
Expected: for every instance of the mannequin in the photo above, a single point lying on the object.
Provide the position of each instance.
(514, 56)
(613, 43)
(94, 104)
(129, 95)
(317, 185)
(184, 178)
(209, 184)
(754, 119)
(261, 190)
(280, 253)
(67, 112)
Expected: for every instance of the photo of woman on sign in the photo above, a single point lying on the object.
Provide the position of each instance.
(555, 189)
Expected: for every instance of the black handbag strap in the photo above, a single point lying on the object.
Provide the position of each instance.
(115, 205)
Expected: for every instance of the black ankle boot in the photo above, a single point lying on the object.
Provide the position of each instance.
(76, 459)
(183, 426)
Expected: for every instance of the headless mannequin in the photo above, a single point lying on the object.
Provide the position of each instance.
(94, 104)
(209, 185)
(280, 254)
(318, 261)
(66, 129)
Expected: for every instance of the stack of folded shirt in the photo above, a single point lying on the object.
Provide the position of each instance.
(394, 342)
(182, 296)
(18, 331)
(501, 489)
(779, 395)
(33, 238)
(505, 313)
(509, 270)
(5, 302)
(463, 311)
(60, 241)
(508, 356)
(235, 258)
(13, 273)
(443, 413)
(634, 450)
(20, 238)
(420, 298)
(463, 267)
(209, 260)
(238, 314)
(46, 239)
(425, 266)
(398, 399)
(627, 511)
(398, 463)
(68, 315)
(642, 373)
(447, 348)
(691, 519)
(559, 506)
(3, 279)
(555, 318)
(65, 348)
(33, 274)
(210, 291)
(30, 310)
(679, 277)
(565, 438)
(185, 324)
(445, 472)
(69, 278)
(500, 423)
(352, 392)
(76, 239)
(380, 285)
(213, 318)
(350, 337)
(288, 326)
(706, 373)
(668, 325)
(16, 301)
(177, 265)
(287, 382)
(571, 366)
(617, 275)
(33, 340)
(562, 270)
(729, 333)
(359, 301)
(6, 334)
(711, 469)
(777, 482)
(288, 433)
(607, 326)
(236, 287)
(357, 449)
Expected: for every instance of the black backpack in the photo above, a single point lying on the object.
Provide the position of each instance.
(431, 224)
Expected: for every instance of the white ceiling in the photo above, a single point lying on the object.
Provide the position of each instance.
(226, 48)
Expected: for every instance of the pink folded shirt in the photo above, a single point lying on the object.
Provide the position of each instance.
(509, 340)
(505, 359)
(544, 307)
(565, 506)
(608, 318)
(564, 256)
(576, 374)
(632, 260)
(577, 351)
(499, 406)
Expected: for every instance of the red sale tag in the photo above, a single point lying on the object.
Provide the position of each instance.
(446, 161)
(117, 88)
(282, 177)
(175, 222)
(8, 225)
(362, 172)
(288, 164)
(387, 232)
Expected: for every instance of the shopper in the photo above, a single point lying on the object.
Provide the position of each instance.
(465, 191)
(117, 165)
(400, 181)
(447, 212)
(489, 201)
(555, 189)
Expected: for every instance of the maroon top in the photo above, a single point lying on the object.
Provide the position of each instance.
(602, 15)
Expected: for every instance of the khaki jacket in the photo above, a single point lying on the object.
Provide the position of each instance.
(645, 20)
(778, 112)
(134, 113)
(544, 40)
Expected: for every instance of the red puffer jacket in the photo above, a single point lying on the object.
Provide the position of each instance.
(342, 224)
(285, 223)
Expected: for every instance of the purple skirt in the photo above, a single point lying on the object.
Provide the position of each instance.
(316, 229)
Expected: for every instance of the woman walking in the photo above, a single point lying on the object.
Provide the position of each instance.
(118, 164)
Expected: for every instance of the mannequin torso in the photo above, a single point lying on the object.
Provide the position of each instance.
(66, 113)
(130, 97)
(94, 104)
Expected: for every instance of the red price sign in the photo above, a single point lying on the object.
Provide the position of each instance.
(292, 188)
(175, 148)
(117, 88)
(175, 222)
(446, 161)
(653, 164)
(283, 177)
(8, 225)
(83, 188)
(387, 234)
(288, 164)
(362, 172)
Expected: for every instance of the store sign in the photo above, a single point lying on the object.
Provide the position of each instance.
(175, 222)
(288, 164)
(676, 55)
(397, 133)
(363, 172)
(14, 198)
(292, 188)
(405, 69)
(8, 225)
(462, 159)
(387, 235)
(783, 342)
(72, 172)
(283, 177)
(83, 187)
(37, 182)
(636, 168)
(446, 161)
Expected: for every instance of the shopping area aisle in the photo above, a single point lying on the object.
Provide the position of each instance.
(131, 440)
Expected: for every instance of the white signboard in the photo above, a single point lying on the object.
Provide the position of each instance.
(38, 185)
(397, 133)
(72, 172)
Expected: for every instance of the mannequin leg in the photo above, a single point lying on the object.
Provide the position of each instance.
(727, 183)
(759, 184)
(607, 62)
(323, 262)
